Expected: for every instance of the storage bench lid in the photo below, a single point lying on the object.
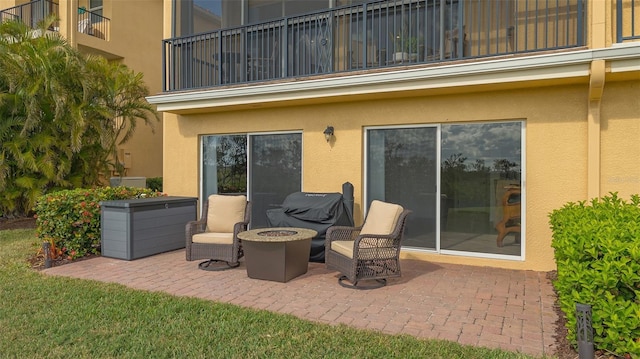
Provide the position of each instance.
(144, 202)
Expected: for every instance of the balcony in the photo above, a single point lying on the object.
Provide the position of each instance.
(93, 24)
(33, 12)
(375, 35)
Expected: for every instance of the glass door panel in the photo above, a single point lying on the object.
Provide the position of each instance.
(481, 168)
(224, 165)
(275, 171)
(402, 168)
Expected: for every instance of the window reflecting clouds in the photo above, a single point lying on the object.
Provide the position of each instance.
(475, 203)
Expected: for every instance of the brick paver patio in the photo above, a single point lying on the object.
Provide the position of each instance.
(496, 308)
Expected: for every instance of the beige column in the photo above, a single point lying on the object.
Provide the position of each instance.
(597, 19)
(596, 88)
(68, 10)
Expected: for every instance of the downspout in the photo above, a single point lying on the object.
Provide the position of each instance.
(596, 88)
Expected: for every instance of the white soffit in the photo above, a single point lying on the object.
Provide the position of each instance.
(504, 70)
(623, 57)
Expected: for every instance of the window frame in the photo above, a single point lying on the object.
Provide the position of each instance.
(201, 184)
(438, 250)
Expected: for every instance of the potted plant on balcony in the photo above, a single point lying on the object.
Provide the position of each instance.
(412, 47)
(405, 45)
(399, 53)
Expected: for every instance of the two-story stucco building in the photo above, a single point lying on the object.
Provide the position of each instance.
(481, 116)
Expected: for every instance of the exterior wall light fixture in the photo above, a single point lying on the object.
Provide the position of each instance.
(328, 133)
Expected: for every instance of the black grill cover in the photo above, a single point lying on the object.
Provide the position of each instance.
(317, 211)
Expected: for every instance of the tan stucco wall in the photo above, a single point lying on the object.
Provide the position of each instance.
(134, 39)
(556, 147)
(141, 52)
(561, 147)
(621, 138)
(5, 4)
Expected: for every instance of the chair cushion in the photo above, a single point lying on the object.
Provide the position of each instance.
(343, 247)
(213, 238)
(225, 212)
(382, 218)
(346, 249)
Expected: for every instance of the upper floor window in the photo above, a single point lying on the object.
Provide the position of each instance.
(350, 2)
(95, 6)
(197, 16)
(264, 10)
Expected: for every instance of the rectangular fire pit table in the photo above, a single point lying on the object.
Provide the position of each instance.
(277, 254)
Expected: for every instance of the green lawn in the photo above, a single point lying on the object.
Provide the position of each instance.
(53, 317)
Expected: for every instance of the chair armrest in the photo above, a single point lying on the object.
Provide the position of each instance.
(239, 227)
(195, 227)
(341, 233)
(383, 243)
(376, 240)
(376, 246)
(243, 226)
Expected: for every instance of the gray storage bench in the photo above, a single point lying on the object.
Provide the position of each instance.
(135, 228)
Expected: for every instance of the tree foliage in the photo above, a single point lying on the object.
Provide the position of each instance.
(62, 114)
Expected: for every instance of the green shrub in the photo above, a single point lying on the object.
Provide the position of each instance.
(70, 220)
(597, 251)
(155, 183)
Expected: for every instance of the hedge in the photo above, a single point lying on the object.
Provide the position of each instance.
(597, 251)
(70, 220)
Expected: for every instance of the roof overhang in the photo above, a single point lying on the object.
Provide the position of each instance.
(567, 66)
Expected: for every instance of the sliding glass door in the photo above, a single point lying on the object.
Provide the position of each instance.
(463, 183)
(402, 167)
(265, 167)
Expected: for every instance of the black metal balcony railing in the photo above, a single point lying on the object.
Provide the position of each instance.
(35, 11)
(93, 24)
(627, 20)
(31, 13)
(372, 35)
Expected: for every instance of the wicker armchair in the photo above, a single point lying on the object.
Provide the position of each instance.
(371, 252)
(215, 236)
